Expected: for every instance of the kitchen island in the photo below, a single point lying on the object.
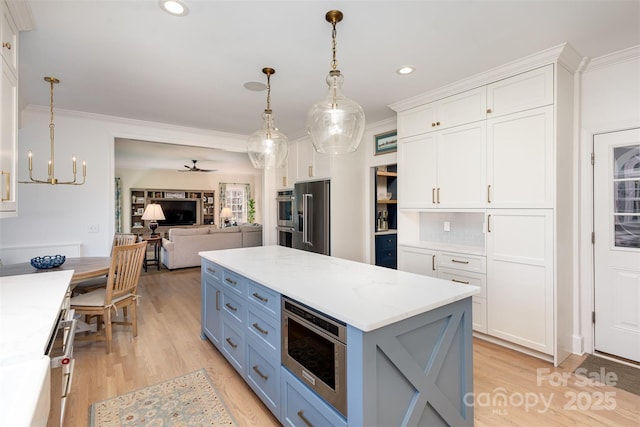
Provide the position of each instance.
(409, 344)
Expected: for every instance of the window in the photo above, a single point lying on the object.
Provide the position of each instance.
(235, 196)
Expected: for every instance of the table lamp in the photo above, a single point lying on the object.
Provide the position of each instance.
(153, 213)
(226, 214)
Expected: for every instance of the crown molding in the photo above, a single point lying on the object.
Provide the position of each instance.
(563, 54)
(618, 57)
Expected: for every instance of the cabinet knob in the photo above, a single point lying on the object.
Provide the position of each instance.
(6, 45)
(433, 125)
(489, 111)
(437, 123)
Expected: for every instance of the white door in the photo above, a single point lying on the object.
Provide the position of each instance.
(616, 210)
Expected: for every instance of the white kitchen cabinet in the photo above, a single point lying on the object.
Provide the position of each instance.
(312, 165)
(521, 92)
(417, 260)
(444, 169)
(286, 176)
(16, 16)
(520, 270)
(8, 114)
(8, 141)
(520, 160)
(9, 35)
(479, 301)
(465, 107)
(528, 189)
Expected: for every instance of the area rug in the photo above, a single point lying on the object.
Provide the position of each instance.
(612, 373)
(189, 400)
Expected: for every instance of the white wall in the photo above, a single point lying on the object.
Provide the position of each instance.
(50, 215)
(610, 101)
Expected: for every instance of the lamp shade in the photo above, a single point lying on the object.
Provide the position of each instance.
(153, 212)
(226, 213)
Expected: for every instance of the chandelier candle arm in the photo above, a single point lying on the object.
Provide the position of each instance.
(51, 179)
(336, 123)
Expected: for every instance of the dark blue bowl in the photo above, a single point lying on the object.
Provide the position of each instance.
(47, 261)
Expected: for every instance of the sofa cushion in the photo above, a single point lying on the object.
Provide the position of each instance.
(187, 232)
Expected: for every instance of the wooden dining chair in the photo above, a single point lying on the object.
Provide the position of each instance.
(120, 292)
(119, 239)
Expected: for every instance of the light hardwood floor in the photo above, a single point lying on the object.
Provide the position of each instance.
(169, 345)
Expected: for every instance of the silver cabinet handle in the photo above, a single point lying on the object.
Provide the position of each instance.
(211, 270)
(460, 281)
(433, 262)
(489, 223)
(217, 300)
(438, 195)
(489, 193)
(259, 329)
(230, 281)
(260, 374)
(433, 195)
(459, 262)
(230, 307)
(304, 419)
(260, 297)
(231, 343)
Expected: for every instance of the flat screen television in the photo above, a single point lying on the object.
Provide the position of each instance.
(178, 212)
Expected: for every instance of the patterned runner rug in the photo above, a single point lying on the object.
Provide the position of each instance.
(611, 373)
(189, 400)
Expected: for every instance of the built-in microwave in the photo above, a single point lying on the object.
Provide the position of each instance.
(285, 208)
(314, 349)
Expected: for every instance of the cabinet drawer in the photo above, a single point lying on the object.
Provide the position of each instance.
(387, 241)
(462, 262)
(263, 376)
(387, 258)
(232, 307)
(234, 281)
(264, 298)
(233, 346)
(213, 270)
(301, 407)
(466, 278)
(264, 329)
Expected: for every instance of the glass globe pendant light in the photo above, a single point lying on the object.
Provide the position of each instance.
(336, 123)
(268, 147)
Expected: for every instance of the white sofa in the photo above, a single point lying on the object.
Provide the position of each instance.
(181, 248)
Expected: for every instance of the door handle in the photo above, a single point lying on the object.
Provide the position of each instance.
(489, 223)
(489, 193)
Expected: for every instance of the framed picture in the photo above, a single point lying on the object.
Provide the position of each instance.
(386, 142)
(140, 211)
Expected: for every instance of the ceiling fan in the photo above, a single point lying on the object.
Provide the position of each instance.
(195, 168)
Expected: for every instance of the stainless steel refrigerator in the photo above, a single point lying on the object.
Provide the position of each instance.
(311, 222)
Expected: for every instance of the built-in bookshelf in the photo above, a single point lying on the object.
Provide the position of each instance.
(203, 207)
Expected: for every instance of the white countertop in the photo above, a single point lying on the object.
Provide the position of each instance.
(362, 295)
(29, 307)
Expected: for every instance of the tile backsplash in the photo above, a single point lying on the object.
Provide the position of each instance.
(465, 228)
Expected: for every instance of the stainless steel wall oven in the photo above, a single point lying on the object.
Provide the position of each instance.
(314, 348)
(285, 208)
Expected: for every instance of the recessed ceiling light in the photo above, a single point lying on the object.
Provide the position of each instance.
(255, 86)
(405, 69)
(174, 7)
